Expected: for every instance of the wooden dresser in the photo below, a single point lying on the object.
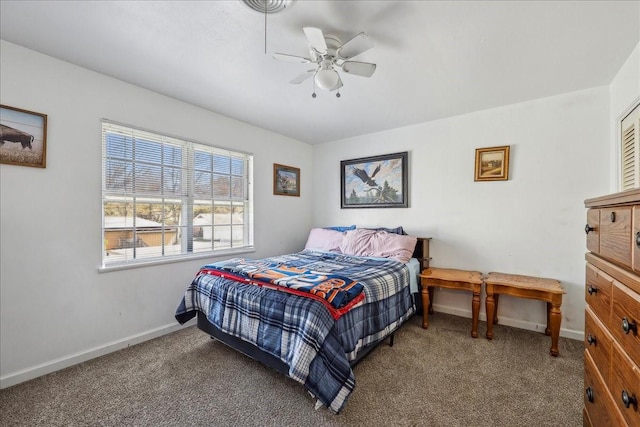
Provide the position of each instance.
(612, 314)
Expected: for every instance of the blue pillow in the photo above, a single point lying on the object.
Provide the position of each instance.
(342, 229)
(397, 230)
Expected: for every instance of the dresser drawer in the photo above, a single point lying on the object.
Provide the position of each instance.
(586, 422)
(615, 234)
(597, 343)
(625, 378)
(593, 230)
(598, 292)
(635, 239)
(597, 400)
(625, 319)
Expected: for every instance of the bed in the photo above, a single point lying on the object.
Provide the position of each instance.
(314, 314)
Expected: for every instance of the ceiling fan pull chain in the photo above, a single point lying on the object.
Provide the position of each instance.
(265, 27)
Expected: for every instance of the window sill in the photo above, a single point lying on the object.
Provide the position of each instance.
(127, 265)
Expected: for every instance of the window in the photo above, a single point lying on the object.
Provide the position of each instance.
(165, 198)
(630, 149)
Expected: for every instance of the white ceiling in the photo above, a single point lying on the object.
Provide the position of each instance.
(435, 59)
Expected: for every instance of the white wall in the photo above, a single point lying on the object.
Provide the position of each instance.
(56, 309)
(531, 224)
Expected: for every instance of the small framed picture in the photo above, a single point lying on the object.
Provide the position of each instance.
(286, 180)
(23, 137)
(492, 164)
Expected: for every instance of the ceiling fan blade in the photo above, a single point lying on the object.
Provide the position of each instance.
(355, 46)
(291, 58)
(316, 39)
(302, 77)
(364, 69)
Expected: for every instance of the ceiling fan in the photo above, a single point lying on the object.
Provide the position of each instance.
(330, 54)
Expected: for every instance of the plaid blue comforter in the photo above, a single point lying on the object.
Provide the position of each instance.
(300, 331)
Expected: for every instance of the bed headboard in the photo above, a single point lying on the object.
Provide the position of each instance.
(421, 252)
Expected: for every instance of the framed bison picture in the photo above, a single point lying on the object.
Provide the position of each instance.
(375, 182)
(23, 137)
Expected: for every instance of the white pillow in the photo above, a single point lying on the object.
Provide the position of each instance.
(324, 240)
(363, 242)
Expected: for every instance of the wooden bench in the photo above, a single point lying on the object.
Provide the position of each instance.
(451, 279)
(548, 290)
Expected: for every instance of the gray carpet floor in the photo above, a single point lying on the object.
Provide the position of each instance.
(435, 377)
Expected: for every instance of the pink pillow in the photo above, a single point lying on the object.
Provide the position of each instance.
(324, 240)
(363, 242)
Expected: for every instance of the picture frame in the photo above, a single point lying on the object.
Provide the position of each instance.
(23, 137)
(492, 163)
(286, 180)
(375, 182)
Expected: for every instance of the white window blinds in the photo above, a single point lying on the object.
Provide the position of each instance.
(164, 197)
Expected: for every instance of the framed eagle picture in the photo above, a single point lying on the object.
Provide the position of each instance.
(375, 182)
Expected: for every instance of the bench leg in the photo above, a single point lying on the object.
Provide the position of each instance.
(475, 310)
(496, 298)
(491, 310)
(426, 290)
(431, 291)
(555, 317)
(547, 331)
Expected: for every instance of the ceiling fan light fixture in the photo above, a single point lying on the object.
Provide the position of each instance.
(327, 79)
(324, 51)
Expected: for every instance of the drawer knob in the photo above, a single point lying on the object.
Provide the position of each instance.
(592, 290)
(628, 400)
(589, 392)
(588, 228)
(613, 217)
(591, 339)
(638, 239)
(629, 326)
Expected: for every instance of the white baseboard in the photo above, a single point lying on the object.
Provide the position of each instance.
(506, 321)
(73, 359)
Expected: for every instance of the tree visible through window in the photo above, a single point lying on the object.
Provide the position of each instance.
(165, 197)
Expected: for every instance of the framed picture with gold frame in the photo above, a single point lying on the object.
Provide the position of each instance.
(23, 137)
(492, 163)
(286, 180)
